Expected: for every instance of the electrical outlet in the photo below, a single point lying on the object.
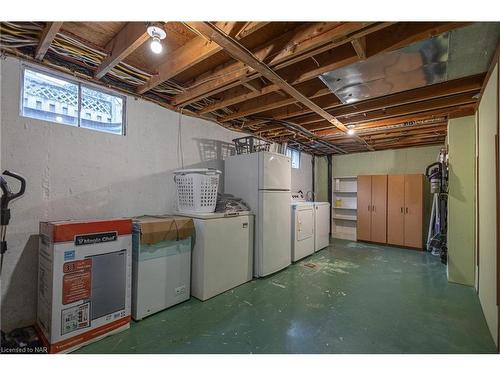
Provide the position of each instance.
(180, 290)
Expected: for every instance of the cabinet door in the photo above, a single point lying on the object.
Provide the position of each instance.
(379, 209)
(364, 208)
(395, 209)
(414, 190)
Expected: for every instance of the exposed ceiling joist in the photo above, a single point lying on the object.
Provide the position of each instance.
(293, 45)
(402, 34)
(341, 58)
(239, 52)
(194, 51)
(359, 45)
(48, 34)
(128, 39)
(440, 90)
(410, 33)
(451, 112)
(265, 103)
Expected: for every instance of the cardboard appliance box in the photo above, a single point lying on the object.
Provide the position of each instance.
(84, 281)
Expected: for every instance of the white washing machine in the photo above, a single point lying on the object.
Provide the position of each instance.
(302, 227)
(321, 225)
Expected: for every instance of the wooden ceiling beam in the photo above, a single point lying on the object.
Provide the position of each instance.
(48, 34)
(341, 57)
(450, 112)
(457, 111)
(359, 45)
(237, 51)
(460, 85)
(128, 39)
(410, 34)
(411, 108)
(401, 132)
(404, 33)
(311, 90)
(457, 86)
(294, 45)
(195, 51)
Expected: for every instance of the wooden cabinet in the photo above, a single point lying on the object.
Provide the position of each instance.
(363, 229)
(390, 209)
(405, 210)
(372, 208)
(395, 209)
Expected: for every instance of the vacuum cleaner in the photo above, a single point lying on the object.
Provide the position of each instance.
(437, 174)
(19, 337)
(7, 197)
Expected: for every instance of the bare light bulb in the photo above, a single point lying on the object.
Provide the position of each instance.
(156, 46)
(351, 131)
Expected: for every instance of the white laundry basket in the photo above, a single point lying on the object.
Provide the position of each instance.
(197, 189)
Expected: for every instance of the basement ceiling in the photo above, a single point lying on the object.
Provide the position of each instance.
(406, 78)
(451, 55)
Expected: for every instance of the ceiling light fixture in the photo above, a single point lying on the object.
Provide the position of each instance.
(157, 33)
(350, 130)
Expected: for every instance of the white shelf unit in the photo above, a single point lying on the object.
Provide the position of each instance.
(344, 207)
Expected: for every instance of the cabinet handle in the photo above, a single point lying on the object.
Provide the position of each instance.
(406, 209)
(401, 209)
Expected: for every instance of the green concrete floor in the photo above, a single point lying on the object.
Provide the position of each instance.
(356, 298)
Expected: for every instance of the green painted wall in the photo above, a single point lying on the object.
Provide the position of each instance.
(461, 241)
(487, 125)
(405, 160)
(400, 161)
(321, 179)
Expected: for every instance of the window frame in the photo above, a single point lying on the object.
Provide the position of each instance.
(79, 83)
(292, 150)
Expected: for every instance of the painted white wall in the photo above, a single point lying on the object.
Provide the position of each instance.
(76, 173)
(302, 176)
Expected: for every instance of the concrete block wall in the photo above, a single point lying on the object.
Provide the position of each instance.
(77, 173)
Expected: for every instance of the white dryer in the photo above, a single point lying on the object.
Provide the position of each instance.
(321, 225)
(302, 228)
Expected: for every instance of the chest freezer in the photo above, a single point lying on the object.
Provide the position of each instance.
(161, 263)
(222, 253)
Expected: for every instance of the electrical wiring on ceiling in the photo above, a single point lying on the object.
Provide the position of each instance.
(67, 47)
(70, 53)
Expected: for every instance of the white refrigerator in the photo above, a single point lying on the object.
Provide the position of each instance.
(262, 180)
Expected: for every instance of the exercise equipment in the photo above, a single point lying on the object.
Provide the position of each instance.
(7, 197)
(437, 173)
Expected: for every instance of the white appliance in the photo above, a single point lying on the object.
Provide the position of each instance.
(262, 180)
(321, 225)
(302, 227)
(160, 268)
(222, 256)
(302, 230)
